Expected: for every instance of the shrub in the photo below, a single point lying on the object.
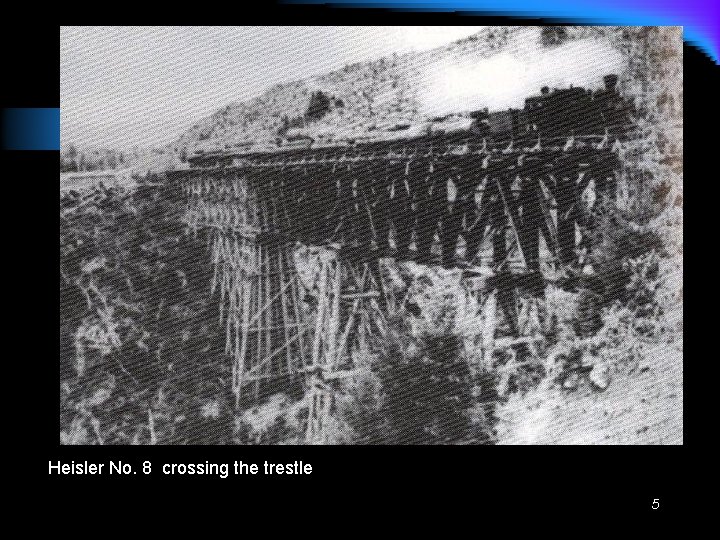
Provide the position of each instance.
(134, 308)
(318, 107)
(428, 394)
(616, 237)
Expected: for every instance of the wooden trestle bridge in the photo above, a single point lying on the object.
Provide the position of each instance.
(520, 207)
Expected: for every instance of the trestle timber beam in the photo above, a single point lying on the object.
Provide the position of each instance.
(363, 203)
(425, 146)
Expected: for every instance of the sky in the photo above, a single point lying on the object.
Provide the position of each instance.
(144, 86)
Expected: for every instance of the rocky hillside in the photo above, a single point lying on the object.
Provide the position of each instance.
(494, 68)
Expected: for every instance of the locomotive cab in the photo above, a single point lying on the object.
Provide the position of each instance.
(558, 114)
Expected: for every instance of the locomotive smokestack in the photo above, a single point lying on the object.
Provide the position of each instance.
(545, 90)
(610, 81)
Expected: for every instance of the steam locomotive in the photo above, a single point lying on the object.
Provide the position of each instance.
(559, 113)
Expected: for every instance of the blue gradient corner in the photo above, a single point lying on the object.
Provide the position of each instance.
(700, 19)
(31, 129)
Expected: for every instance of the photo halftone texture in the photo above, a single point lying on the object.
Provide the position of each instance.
(124, 86)
(365, 235)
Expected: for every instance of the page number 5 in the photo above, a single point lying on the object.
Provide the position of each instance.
(656, 504)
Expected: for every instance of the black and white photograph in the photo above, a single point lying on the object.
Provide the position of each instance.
(371, 235)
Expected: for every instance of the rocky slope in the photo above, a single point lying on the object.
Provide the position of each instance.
(494, 68)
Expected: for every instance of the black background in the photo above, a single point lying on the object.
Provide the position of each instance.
(426, 486)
